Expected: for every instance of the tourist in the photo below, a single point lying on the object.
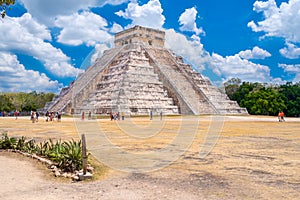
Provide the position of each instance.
(51, 116)
(82, 116)
(123, 116)
(32, 117)
(37, 114)
(281, 116)
(160, 115)
(111, 116)
(47, 116)
(90, 115)
(151, 115)
(16, 113)
(58, 116)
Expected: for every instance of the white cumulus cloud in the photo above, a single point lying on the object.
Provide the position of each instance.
(234, 66)
(15, 78)
(32, 42)
(282, 21)
(47, 11)
(85, 28)
(116, 28)
(187, 21)
(149, 15)
(255, 53)
(192, 50)
(292, 69)
(290, 51)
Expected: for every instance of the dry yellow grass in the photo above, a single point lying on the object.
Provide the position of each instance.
(253, 156)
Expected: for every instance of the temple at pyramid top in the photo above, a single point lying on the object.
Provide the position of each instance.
(138, 76)
(142, 35)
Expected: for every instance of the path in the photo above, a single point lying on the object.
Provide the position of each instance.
(22, 180)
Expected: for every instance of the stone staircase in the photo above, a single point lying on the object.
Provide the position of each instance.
(215, 96)
(64, 101)
(83, 80)
(59, 102)
(191, 101)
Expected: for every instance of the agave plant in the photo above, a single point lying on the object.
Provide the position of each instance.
(21, 144)
(73, 156)
(7, 142)
(56, 152)
(67, 155)
(30, 146)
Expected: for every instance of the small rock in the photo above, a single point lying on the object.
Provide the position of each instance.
(65, 175)
(75, 178)
(52, 166)
(85, 176)
(57, 173)
(69, 175)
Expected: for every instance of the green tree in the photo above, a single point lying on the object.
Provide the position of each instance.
(244, 89)
(24, 101)
(5, 103)
(231, 86)
(264, 101)
(18, 100)
(30, 103)
(292, 98)
(4, 4)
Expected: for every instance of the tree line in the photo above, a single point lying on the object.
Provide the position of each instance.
(24, 102)
(265, 99)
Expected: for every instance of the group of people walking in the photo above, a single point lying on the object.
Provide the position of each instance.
(34, 116)
(116, 116)
(51, 115)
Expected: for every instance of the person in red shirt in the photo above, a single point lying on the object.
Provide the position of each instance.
(281, 116)
(16, 113)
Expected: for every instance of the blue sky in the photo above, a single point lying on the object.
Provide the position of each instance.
(45, 44)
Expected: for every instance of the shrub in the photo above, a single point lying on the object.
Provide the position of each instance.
(7, 142)
(67, 155)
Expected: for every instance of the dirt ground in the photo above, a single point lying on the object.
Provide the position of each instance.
(250, 157)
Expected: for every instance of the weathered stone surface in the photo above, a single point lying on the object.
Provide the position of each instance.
(57, 173)
(139, 75)
(84, 176)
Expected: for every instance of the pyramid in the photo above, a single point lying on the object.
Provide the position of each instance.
(140, 75)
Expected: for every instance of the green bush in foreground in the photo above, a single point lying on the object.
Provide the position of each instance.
(7, 142)
(67, 155)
